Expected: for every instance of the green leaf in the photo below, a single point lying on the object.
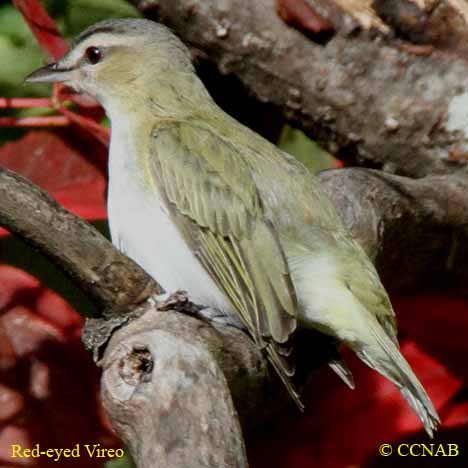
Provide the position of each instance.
(84, 13)
(296, 143)
(19, 54)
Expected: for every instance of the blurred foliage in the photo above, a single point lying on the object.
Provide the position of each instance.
(20, 53)
(295, 142)
(72, 16)
(124, 462)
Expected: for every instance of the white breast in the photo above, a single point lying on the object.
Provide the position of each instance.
(141, 228)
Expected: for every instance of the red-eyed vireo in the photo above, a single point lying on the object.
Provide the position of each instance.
(205, 205)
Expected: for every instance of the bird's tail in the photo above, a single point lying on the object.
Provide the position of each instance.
(385, 357)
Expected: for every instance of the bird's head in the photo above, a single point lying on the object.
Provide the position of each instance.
(121, 61)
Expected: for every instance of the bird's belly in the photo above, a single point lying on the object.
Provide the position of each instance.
(141, 228)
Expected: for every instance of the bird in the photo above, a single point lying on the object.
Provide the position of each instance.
(206, 205)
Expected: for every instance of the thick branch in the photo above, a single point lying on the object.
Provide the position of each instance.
(370, 98)
(164, 387)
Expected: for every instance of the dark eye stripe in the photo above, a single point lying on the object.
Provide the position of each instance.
(91, 32)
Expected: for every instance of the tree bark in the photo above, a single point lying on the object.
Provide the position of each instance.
(388, 90)
(167, 394)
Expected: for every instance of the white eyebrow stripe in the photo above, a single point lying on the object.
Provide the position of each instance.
(104, 39)
(96, 40)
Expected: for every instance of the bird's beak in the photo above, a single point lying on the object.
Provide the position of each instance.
(49, 74)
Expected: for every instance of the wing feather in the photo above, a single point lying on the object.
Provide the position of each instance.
(363, 287)
(216, 205)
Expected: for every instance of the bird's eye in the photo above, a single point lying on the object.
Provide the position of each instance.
(93, 54)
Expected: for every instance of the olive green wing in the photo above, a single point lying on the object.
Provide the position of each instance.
(374, 297)
(367, 287)
(214, 202)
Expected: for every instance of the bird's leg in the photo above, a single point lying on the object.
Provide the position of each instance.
(219, 317)
(177, 300)
(180, 302)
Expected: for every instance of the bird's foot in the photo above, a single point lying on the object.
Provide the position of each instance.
(180, 302)
(177, 301)
(218, 317)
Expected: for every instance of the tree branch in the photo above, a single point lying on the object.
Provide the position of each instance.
(112, 280)
(165, 389)
(368, 95)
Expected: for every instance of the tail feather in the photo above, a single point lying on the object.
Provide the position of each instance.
(278, 363)
(342, 371)
(386, 358)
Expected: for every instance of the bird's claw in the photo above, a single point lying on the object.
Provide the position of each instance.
(177, 301)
